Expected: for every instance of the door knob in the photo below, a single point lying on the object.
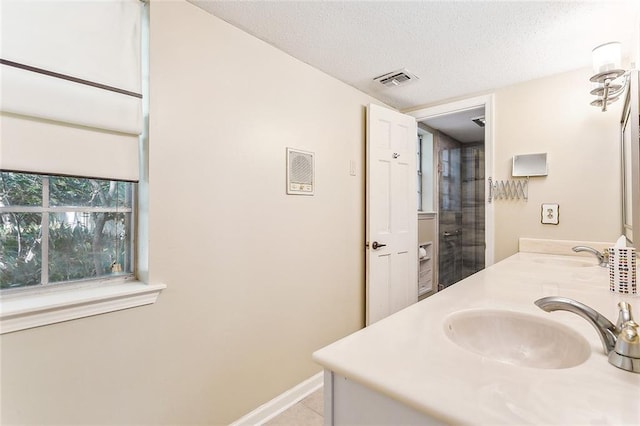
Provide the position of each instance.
(377, 245)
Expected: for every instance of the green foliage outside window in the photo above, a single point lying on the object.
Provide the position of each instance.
(88, 233)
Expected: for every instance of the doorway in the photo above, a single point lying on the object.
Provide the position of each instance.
(462, 157)
(459, 155)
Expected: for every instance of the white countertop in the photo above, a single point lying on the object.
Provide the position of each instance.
(408, 357)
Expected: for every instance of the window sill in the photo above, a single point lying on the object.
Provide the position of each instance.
(20, 312)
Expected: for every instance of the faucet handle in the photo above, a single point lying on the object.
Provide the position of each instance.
(624, 315)
(626, 353)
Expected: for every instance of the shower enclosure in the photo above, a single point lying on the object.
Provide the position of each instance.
(461, 209)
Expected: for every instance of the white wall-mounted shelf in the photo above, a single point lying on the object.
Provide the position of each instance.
(425, 268)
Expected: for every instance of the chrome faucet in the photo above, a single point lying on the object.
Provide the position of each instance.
(607, 331)
(620, 342)
(603, 258)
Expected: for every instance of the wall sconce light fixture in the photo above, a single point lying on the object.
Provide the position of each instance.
(609, 79)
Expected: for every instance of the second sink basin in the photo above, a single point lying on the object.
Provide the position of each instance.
(517, 338)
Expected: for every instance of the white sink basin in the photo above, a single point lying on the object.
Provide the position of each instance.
(517, 338)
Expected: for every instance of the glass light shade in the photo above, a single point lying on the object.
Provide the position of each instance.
(606, 57)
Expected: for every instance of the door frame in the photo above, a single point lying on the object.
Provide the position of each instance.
(486, 101)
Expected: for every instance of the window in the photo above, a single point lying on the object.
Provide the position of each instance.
(61, 229)
(87, 99)
(425, 170)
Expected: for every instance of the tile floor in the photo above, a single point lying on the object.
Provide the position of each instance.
(307, 412)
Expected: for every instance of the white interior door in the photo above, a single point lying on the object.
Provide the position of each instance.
(392, 219)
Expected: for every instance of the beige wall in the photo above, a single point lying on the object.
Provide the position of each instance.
(257, 280)
(553, 115)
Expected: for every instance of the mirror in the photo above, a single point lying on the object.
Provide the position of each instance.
(627, 202)
(630, 162)
(529, 165)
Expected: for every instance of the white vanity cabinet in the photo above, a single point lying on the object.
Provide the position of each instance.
(347, 402)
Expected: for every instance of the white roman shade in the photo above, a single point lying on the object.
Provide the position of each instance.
(70, 94)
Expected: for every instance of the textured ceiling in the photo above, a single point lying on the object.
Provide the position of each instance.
(456, 48)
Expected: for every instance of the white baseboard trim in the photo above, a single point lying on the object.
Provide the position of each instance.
(280, 403)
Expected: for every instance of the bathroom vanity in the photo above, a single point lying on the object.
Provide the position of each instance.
(423, 366)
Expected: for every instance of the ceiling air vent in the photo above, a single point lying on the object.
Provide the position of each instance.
(480, 121)
(396, 78)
